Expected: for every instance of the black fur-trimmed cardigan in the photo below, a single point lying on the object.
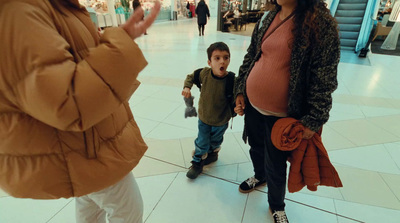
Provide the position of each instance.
(313, 71)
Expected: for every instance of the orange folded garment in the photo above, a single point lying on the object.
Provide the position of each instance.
(309, 161)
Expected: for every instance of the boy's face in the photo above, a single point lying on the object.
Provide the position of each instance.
(219, 62)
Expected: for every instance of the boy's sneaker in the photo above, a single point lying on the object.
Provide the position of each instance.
(250, 184)
(195, 169)
(211, 157)
(279, 216)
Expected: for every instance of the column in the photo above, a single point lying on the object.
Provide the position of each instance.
(111, 11)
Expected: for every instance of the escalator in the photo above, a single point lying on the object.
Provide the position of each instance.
(350, 15)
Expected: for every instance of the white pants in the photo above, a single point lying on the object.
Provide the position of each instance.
(121, 202)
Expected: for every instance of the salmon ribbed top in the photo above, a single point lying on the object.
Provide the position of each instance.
(267, 86)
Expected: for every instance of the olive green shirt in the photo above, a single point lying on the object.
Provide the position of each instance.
(214, 108)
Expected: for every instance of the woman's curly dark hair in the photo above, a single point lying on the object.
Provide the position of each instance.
(305, 18)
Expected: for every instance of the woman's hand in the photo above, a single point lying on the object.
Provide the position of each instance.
(240, 106)
(186, 92)
(308, 133)
(135, 26)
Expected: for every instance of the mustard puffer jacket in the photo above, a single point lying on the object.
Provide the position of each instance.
(66, 128)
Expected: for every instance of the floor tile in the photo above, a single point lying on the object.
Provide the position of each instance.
(145, 90)
(3, 194)
(136, 99)
(312, 201)
(374, 158)
(167, 131)
(231, 151)
(343, 116)
(153, 189)
(393, 181)
(227, 172)
(304, 214)
(365, 82)
(14, 210)
(177, 118)
(65, 215)
(366, 187)
(323, 191)
(341, 112)
(377, 112)
(149, 167)
(394, 102)
(394, 151)
(389, 123)
(245, 146)
(362, 132)
(347, 56)
(169, 151)
(257, 210)
(188, 149)
(362, 100)
(341, 89)
(155, 109)
(146, 125)
(170, 93)
(152, 80)
(366, 213)
(197, 203)
(333, 140)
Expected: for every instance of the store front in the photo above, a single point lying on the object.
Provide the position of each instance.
(237, 13)
(107, 13)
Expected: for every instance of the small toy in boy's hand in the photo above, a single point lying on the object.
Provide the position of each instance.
(190, 111)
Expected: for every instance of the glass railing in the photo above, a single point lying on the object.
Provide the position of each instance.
(367, 24)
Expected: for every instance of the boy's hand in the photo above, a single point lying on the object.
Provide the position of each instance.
(240, 106)
(186, 92)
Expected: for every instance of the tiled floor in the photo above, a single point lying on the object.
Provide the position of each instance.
(362, 137)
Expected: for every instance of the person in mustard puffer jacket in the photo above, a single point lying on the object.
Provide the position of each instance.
(66, 126)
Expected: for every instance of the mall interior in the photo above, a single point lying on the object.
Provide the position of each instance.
(362, 136)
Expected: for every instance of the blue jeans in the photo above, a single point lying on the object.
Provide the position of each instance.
(208, 139)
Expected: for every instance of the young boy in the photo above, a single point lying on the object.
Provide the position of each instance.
(214, 105)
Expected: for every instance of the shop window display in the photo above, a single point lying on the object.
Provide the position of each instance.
(165, 12)
(184, 10)
(123, 10)
(385, 8)
(98, 10)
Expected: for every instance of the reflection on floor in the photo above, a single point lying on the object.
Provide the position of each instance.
(362, 137)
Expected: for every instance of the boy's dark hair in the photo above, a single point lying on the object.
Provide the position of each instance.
(221, 46)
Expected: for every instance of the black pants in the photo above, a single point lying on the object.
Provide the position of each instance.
(269, 163)
(201, 29)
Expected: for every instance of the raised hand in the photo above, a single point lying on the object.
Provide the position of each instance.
(135, 26)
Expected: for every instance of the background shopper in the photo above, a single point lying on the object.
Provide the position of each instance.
(202, 13)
